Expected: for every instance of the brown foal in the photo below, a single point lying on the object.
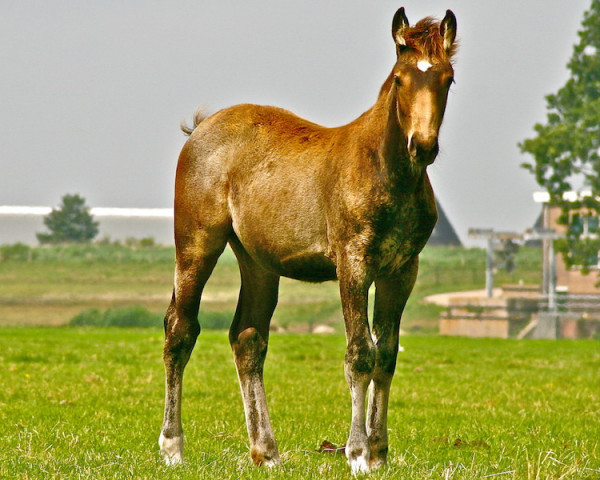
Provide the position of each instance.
(295, 199)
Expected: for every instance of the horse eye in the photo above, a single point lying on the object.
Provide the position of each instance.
(397, 80)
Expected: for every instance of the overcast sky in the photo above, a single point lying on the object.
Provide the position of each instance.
(92, 93)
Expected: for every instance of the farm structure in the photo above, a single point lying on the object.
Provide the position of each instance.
(565, 305)
(517, 311)
(569, 281)
(20, 223)
(473, 314)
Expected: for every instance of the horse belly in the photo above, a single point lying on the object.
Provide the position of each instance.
(285, 235)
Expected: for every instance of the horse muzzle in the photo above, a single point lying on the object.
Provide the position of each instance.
(423, 151)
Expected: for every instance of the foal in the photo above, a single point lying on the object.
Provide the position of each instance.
(296, 199)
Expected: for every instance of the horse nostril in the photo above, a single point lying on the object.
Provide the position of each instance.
(412, 146)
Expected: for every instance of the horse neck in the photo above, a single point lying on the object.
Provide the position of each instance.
(385, 136)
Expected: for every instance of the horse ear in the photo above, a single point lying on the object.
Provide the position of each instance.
(448, 29)
(399, 26)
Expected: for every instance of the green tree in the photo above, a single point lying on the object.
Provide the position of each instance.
(566, 148)
(71, 222)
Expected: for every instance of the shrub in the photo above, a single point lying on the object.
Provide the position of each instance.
(147, 242)
(215, 320)
(135, 316)
(18, 252)
(92, 317)
(132, 317)
(138, 316)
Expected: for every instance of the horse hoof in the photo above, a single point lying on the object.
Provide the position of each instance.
(359, 465)
(272, 463)
(171, 449)
(377, 463)
(268, 461)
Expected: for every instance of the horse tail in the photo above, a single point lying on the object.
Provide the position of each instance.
(199, 116)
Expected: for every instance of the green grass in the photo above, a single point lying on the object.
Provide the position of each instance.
(87, 403)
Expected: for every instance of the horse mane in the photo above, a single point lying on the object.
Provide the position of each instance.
(424, 40)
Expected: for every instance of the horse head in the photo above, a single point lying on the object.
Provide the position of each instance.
(422, 77)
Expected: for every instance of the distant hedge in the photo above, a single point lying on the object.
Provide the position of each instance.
(132, 251)
(138, 316)
(117, 317)
(142, 251)
(211, 320)
(18, 252)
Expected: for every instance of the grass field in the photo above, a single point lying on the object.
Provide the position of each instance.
(48, 286)
(87, 403)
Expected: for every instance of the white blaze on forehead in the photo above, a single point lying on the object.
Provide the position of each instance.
(424, 65)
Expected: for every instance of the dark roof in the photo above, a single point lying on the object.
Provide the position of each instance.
(443, 233)
(538, 225)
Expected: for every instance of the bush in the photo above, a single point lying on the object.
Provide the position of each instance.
(18, 252)
(119, 317)
(138, 316)
(215, 320)
(147, 242)
(92, 317)
(132, 317)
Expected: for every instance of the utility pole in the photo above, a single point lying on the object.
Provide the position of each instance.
(489, 268)
(496, 242)
(547, 236)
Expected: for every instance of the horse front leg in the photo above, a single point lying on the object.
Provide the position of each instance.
(359, 363)
(390, 298)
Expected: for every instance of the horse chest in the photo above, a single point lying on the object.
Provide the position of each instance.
(407, 232)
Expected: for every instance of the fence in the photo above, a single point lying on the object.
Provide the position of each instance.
(581, 305)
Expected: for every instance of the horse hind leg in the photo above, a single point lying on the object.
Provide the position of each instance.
(249, 337)
(196, 259)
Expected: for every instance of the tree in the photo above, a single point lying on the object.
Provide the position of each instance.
(71, 222)
(567, 148)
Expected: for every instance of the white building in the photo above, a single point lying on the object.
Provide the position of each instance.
(20, 224)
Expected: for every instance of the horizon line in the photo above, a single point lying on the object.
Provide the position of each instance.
(96, 211)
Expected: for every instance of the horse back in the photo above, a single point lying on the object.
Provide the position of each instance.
(263, 170)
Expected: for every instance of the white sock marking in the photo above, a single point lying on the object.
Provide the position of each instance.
(171, 449)
(359, 465)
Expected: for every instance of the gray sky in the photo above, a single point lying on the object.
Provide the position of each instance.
(92, 93)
